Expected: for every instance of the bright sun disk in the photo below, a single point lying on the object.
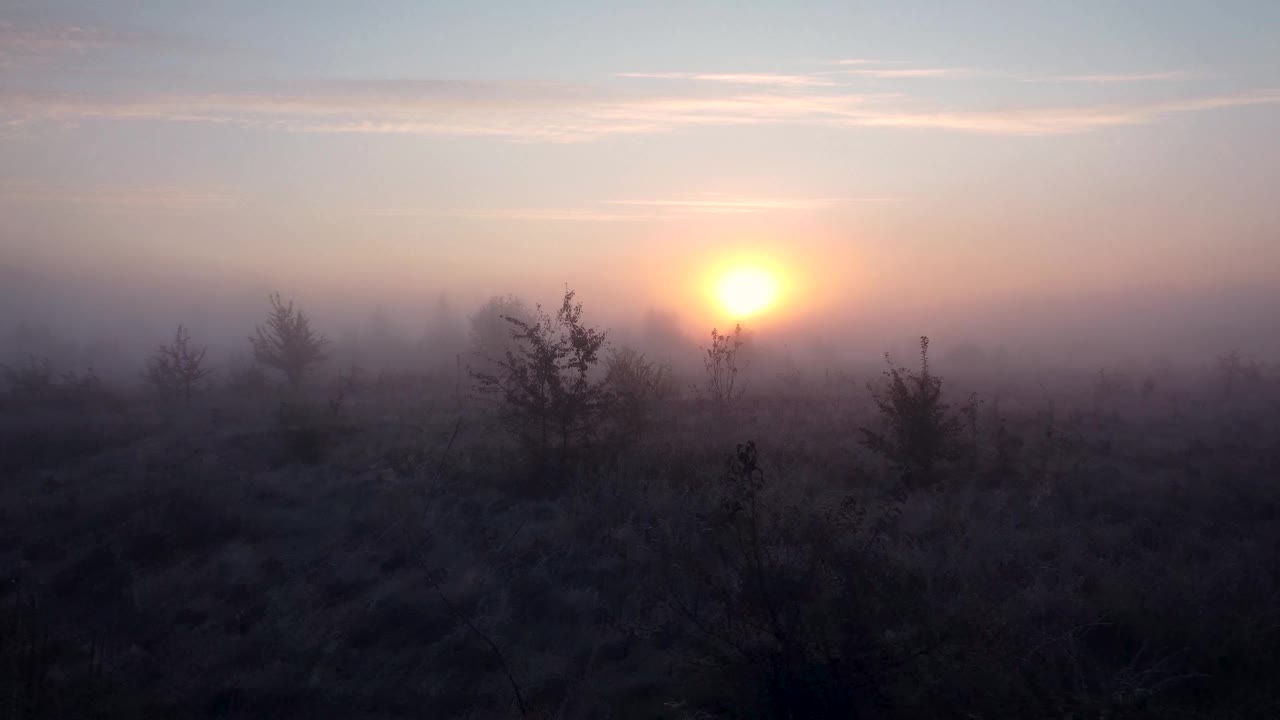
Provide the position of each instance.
(746, 291)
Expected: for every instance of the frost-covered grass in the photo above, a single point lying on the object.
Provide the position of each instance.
(1108, 555)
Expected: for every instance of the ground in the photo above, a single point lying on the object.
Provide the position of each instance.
(1096, 554)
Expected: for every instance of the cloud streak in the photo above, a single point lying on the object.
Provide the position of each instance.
(642, 210)
(894, 69)
(552, 113)
(905, 73)
(1110, 78)
(1062, 121)
(721, 204)
(20, 38)
(117, 199)
(545, 214)
(738, 78)
(24, 44)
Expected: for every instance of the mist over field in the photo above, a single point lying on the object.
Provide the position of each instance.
(614, 360)
(112, 321)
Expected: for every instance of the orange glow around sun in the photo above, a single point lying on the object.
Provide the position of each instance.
(745, 291)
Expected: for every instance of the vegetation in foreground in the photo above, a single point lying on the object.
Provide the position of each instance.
(588, 536)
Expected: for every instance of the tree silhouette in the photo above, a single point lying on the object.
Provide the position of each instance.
(549, 398)
(287, 343)
(919, 428)
(177, 368)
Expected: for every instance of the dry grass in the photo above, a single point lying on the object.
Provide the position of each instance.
(199, 564)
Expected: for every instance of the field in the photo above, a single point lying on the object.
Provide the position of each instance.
(384, 546)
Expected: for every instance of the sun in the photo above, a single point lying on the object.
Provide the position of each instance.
(746, 291)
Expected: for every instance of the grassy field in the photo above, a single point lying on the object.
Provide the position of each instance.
(1092, 551)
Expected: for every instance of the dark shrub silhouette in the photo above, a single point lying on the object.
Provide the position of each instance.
(31, 381)
(307, 430)
(177, 369)
(637, 384)
(723, 362)
(33, 385)
(85, 390)
(287, 343)
(765, 589)
(918, 430)
(1236, 371)
(549, 399)
(248, 379)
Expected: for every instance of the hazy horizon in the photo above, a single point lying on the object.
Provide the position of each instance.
(1096, 180)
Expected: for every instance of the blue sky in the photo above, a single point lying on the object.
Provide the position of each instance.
(401, 149)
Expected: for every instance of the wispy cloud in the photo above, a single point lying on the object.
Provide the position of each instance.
(865, 61)
(738, 78)
(25, 38)
(722, 204)
(24, 43)
(641, 210)
(551, 113)
(548, 214)
(1060, 121)
(906, 73)
(117, 199)
(1105, 78)
(891, 69)
(816, 79)
(437, 109)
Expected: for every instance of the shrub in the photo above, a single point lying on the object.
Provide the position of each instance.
(247, 379)
(33, 385)
(1007, 446)
(489, 330)
(307, 430)
(177, 369)
(723, 363)
(349, 382)
(919, 429)
(86, 389)
(637, 384)
(287, 343)
(30, 382)
(777, 596)
(549, 399)
(1234, 370)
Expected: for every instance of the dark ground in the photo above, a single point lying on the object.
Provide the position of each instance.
(1093, 557)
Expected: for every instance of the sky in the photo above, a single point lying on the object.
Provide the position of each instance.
(942, 165)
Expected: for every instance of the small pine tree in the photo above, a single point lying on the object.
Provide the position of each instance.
(287, 343)
(550, 400)
(919, 430)
(177, 369)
